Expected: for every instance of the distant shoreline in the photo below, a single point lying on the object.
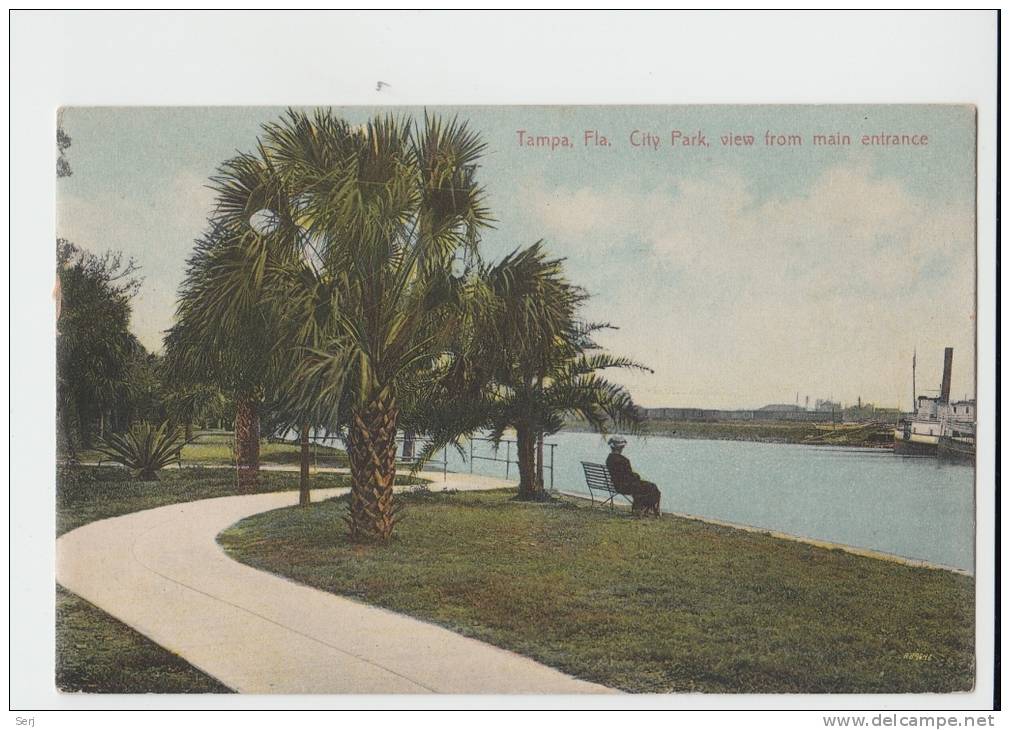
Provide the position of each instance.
(871, 436)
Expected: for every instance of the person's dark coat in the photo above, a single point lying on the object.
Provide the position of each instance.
(625, 480)
(645, 495)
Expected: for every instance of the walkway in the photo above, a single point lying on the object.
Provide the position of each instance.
(162, 572)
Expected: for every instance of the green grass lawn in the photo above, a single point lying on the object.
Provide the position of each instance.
(643, 605)
(97, 653)
(217, 448)
(86, 494)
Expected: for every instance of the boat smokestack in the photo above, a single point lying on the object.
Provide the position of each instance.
(948, 359)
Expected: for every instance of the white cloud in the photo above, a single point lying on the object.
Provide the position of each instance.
(825, 292)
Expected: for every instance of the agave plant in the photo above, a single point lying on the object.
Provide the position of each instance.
(145, 449)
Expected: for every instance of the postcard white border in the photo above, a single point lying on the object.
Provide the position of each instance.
(225, 58)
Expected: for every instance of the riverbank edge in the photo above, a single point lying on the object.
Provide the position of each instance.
(814, 542)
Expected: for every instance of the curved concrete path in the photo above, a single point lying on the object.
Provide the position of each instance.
(162, 572)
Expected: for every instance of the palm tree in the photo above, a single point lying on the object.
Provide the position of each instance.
(300, 407)
(347, 234)
(226, 337)
(543, 364)
(186, 403)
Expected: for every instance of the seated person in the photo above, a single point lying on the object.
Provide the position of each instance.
(645, 495)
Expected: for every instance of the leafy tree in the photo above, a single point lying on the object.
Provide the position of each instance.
(94, 346)
(142, 393)
(189, 403)
(348, 233)
(62, 145)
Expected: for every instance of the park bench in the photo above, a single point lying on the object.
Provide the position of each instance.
(598, 481)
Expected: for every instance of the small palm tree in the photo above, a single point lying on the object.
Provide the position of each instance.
(538, 362)
(226, 335)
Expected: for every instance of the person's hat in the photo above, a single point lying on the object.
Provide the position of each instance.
(617, 441)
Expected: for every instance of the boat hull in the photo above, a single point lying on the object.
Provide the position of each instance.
(914, 444)
(951, 449)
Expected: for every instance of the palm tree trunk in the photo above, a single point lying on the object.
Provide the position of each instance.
(247, 443)
(526, 446)
(371, 448)
(303, 479)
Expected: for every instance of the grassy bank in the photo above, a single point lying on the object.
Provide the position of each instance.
(97, 653)
(668, 605)
(86, 494)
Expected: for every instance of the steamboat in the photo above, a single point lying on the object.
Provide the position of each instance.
(938, 426)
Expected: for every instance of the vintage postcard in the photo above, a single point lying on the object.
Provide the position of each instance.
(516, 400)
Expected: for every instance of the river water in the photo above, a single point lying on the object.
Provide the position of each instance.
(913, 507)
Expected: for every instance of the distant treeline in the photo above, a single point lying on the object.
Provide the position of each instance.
(839, 415)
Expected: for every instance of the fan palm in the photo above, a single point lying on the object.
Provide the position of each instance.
(227, 336)
(540, 363)
(347, 235)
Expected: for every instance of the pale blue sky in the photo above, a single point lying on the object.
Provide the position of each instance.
(741, 275)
